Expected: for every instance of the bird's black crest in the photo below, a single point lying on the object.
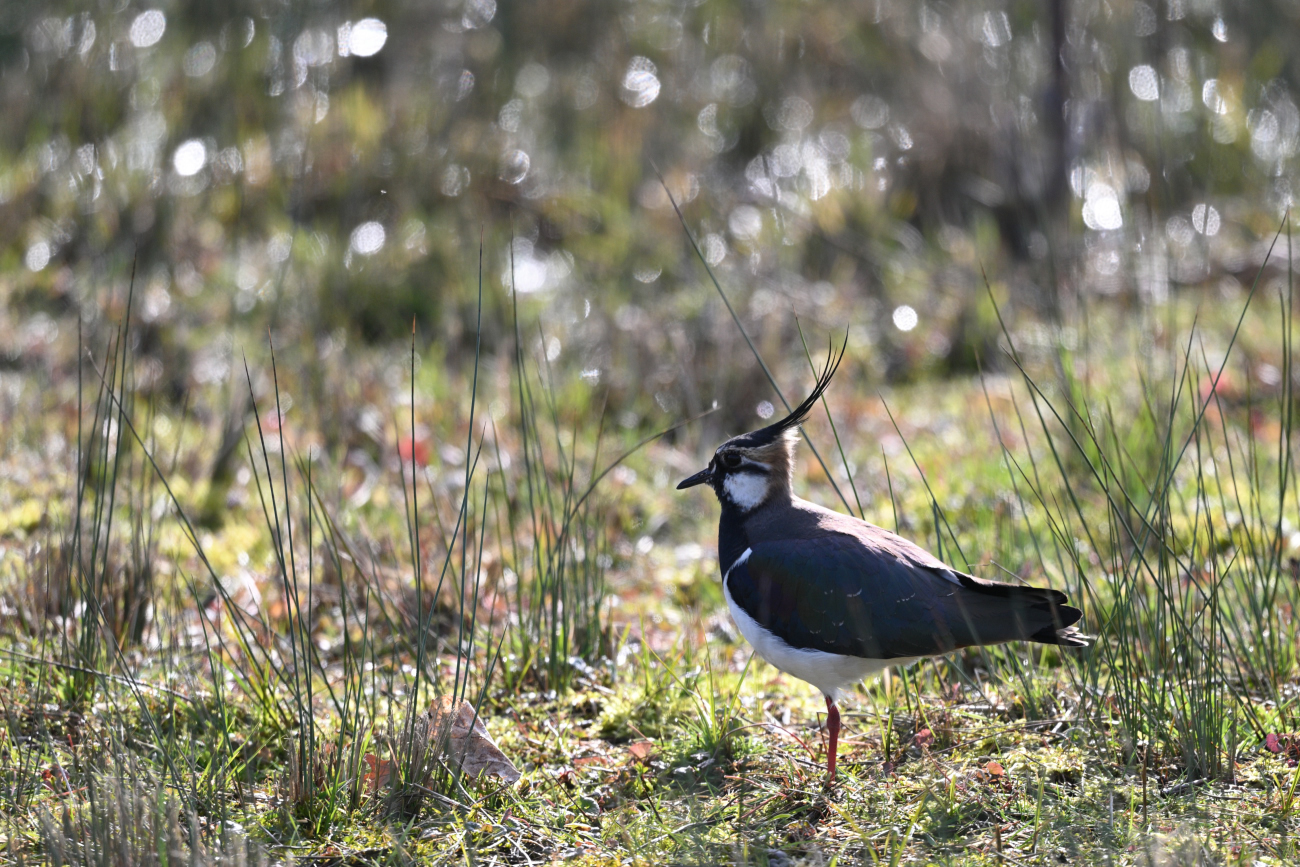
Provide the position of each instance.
(799, 414)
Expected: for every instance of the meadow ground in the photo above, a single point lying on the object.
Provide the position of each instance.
(218, 645)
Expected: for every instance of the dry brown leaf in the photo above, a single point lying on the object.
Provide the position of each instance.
(641, 751)
(470, 745)
(378, 772)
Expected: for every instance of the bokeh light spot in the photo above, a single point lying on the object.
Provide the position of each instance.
(745, 222)
(715, 249)
(454, 180)
(368, 238)
(870, 112)
(514, 167)
(1212, 96)
(640, 82)
(190, 158)
(1205, 219)
(38, 256)
(1101, 207)
(478, 13)
(148, 28)
(905, 317)
(313, 47)
(1144, 83)
(199, 60)
(366, 37)
(533, 80)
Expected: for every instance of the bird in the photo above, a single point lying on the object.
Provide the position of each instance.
(832, 599)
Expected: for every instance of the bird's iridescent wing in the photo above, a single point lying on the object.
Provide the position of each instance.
(840, 594)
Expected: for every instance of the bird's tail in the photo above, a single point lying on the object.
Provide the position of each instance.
(1069, 636)
(1027, 608)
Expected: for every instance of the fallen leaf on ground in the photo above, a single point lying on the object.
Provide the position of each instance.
(641, 751)
(470, 745)
(378, 772)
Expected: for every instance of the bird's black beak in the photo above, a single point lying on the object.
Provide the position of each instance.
(699, 478)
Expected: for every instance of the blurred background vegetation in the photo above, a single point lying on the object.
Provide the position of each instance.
(328, 170)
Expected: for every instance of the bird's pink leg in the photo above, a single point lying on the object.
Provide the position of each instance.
(833, 731)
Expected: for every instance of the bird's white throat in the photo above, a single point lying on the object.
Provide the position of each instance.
(746, 490)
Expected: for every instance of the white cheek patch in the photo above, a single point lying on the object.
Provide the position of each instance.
(745, 490)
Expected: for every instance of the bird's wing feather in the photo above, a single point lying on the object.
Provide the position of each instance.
(847, 595)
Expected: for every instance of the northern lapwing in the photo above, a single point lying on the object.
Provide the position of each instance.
(832, 599)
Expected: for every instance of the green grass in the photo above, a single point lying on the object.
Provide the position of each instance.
(256, 688)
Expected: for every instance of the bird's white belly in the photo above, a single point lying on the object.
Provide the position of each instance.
(832, 673)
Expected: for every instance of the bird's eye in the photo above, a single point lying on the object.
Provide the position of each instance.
(730, 460)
